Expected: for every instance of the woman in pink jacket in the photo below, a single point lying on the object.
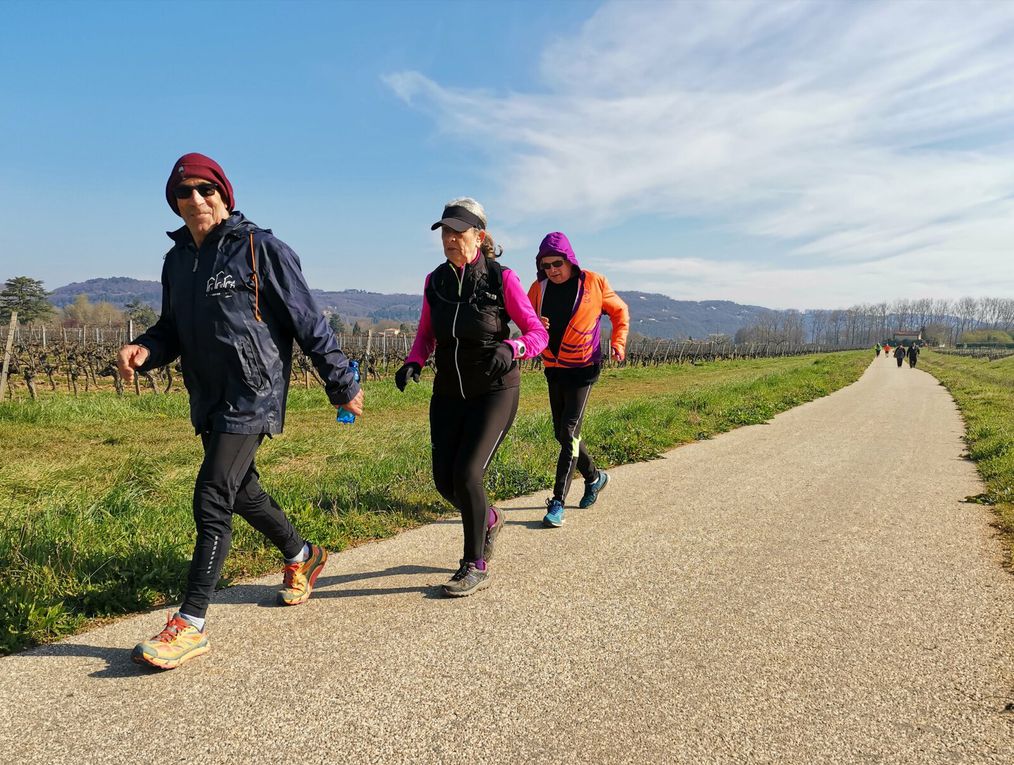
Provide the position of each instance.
(468, 300)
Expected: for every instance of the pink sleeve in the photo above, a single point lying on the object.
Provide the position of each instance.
(425, 340)
(534, 336)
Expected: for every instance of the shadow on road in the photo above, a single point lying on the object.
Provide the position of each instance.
(118, 663)
(428, 591)
(265, 596)
(525, 524)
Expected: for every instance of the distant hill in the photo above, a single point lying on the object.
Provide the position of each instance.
(359, 304)
(657, 315)
(651, 314)
(350, 304)
(118, 290)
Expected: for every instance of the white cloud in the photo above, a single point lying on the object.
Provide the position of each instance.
(867, 140)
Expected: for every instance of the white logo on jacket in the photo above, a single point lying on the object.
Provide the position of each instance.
(220, 282)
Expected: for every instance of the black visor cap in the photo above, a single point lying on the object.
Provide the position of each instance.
(458, 219)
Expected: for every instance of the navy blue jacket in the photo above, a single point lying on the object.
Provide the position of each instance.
(234, 334)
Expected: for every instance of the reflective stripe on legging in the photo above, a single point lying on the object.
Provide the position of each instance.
(576, 443)
(461, 433)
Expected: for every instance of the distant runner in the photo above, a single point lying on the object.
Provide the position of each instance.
(233, 301)
(467, 303)
(570, 301)
(899, 355)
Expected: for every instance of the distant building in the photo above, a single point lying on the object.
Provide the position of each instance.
(907, 337)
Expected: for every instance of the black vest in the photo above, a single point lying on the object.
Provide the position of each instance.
(469, 321)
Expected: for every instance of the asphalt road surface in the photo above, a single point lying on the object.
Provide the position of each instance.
(812, 590)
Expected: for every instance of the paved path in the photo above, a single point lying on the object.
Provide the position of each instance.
(812, 590)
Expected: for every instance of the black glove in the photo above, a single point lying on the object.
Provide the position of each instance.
(501, 361)
(411, 369)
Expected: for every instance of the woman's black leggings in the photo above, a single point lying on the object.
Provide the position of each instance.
(568, 403)
(228, 483)
(465, 434)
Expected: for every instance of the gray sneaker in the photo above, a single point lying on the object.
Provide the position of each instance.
(466, 580)
(591, 490)
(491, 534)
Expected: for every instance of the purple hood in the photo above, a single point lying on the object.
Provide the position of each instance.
(555, 244)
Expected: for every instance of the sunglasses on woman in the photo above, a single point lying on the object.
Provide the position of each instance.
(546, 265)
(204, 189)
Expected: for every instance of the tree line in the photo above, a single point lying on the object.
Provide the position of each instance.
(940, 321)
(29, 298)
(31, 301)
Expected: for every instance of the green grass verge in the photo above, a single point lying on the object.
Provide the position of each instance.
(95, 491)
(984, 392)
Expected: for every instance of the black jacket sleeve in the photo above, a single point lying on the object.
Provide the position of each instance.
(291, 301)
(161, 339)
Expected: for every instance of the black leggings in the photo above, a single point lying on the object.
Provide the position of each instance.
(465, 434)
(568, 404)
(226, 484)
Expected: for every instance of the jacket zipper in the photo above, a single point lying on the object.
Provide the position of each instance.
(454, 326)
(573, 308)
(194, 299)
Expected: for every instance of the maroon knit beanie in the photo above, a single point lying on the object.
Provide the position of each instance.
(196, 165)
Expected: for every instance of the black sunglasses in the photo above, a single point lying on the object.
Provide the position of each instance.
(204, 189)
(545, 266)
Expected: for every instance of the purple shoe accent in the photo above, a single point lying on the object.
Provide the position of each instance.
(491, 517)
(480, 564)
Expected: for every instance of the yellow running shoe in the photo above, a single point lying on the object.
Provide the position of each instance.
(180, 641)
(299, 578)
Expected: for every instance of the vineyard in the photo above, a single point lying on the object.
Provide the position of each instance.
(991, 354)
(84, 360)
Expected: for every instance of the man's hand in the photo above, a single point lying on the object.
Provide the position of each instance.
(618, 354)
(355, 405)
(130, 358)
(545, 321)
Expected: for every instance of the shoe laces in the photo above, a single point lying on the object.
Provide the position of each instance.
(173, 626)
(462, 571)
(291, 574)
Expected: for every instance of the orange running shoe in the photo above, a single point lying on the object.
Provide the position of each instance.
(299, 578)
(178, 642)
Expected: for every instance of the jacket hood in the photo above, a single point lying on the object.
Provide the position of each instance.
(235, 222)
(555, 243)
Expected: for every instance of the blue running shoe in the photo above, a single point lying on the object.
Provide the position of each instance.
(554, 514)
(591, 490)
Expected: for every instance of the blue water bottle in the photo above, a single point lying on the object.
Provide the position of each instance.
(344, 415)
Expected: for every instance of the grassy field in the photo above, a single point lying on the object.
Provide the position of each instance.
(984, 391)
(95, 491)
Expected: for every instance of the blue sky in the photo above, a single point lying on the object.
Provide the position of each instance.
(781, 154)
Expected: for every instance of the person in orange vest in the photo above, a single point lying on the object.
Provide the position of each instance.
(570, 301)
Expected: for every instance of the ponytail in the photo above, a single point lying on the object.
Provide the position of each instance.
(489, 248)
